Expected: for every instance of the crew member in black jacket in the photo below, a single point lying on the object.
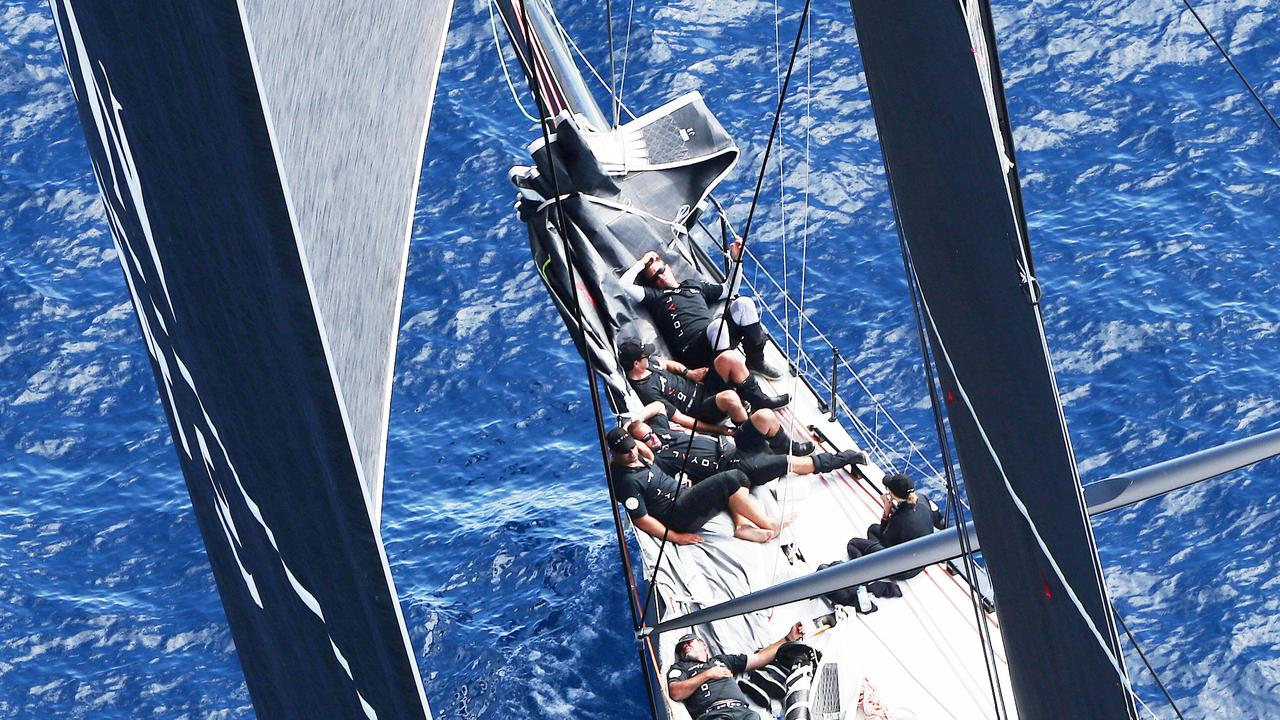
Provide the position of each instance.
(907, 515)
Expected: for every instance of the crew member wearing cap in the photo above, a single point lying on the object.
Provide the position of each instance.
(679, 388)
(682, 312)
(907, 515)
(701, 456)
(705, 684)
(659, 505)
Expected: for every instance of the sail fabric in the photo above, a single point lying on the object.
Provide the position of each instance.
(948, 174)
(207, 232)
(348, 87)
(623, 193)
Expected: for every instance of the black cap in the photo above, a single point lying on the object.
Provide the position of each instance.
(684, 640)
(619, 441)
(631, 350)
(900, 485)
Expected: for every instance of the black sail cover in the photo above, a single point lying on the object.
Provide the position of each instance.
(955, 197)
(178, 133)
(623, 192)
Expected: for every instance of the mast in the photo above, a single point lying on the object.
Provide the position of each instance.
(260, 196)
(547, 55)
(950, 168)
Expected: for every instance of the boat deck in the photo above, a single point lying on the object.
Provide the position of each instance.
(918, 656)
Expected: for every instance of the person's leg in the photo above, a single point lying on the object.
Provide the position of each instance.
(767, 422)
(761, 468)
(873, 533)
(732, 368)
(858, 547)
(823, 462)
(746, 320)
(728, 403)
(743, 504)
(696, 505)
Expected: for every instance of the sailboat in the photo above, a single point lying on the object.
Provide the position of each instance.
(600, 195)
(243, 293)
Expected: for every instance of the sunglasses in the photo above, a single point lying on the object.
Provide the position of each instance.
(646, 437)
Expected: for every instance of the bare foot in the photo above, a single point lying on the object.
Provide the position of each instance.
(751, 533)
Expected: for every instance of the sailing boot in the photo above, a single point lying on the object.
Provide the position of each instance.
(753, 342)
(782, 444)
(749, 440)
(752, 394)
(826, 462)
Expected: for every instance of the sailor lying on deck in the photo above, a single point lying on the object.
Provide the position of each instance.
(699, 338)
(701, 456)
(907, 515)
(692, 403)
(705, 684)
(655, 501)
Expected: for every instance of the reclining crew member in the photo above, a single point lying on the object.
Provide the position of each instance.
(679, 388)
(705, 684)
(699, 339)
(701, 456)
(655, 501)
(907, 515)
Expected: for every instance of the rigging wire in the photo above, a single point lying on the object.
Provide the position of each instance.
(782, 170)
(1226, 56)
(559, 221)
(502, 61)
(613, 74)
(1145, 661)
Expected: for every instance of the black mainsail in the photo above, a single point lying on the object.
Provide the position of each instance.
(258, 163)
(959, 217)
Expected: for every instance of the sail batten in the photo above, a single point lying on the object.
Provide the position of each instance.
(958, 213)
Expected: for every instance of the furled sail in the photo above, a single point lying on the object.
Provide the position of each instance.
(258, 163)
(949, 165)
(624, 193)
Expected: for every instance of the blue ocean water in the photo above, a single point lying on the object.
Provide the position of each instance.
(1151, 182)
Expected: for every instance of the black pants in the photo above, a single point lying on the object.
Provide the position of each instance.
(858, 547)
(730, 713)
(759, 467)
(696, 505)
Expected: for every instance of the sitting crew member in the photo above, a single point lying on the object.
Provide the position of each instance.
(907, 515)
(679, 388)
(701, 456)
(705, 684)
(682, 312)
(657, 501)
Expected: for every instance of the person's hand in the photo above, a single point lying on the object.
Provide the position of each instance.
(797, 632)
(681, 538)
(728, 430)
(718, 672)
(697, 375)
(648, 257)
(886, 501)
(735, 250)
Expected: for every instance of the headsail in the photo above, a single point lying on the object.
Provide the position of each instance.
(219, 209)
(960, 221)
(349, 96)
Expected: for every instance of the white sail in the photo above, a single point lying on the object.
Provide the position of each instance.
(348, 89)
